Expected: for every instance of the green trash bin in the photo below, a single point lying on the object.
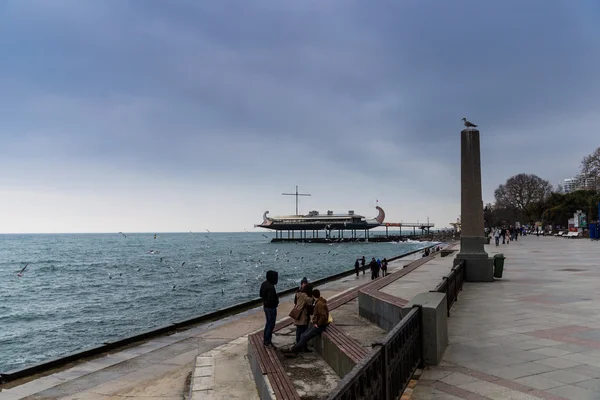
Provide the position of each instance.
(498, 265)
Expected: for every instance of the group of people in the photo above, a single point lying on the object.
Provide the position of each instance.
(310, 313)
(506, 234)
(376, 266)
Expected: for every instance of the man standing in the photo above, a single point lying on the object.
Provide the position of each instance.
(319, 324)
(270, 303)
(373, 266)
(362, 263)
(356, 266)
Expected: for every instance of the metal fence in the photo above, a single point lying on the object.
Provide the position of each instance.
(452, 284)
(386, 371)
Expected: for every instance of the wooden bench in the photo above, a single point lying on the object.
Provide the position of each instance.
(266, 359)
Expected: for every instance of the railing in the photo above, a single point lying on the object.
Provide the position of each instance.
(452, 284)
(386, 372)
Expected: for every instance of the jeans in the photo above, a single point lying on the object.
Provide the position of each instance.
(497, 241)
(270, 316)
(300, 329)
(310, 333)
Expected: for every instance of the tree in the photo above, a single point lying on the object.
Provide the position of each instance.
(560, 189)
(521, 192)
(589, 176)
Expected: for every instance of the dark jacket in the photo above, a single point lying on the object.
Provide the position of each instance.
(268, 292)
(321, 316)
(373, 265)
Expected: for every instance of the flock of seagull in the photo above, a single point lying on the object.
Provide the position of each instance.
(281, 257)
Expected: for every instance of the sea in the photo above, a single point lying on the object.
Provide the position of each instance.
(81, 290)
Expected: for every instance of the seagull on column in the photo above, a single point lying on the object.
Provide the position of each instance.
(469, 124)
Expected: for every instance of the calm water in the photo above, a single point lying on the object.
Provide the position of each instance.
(81, 290)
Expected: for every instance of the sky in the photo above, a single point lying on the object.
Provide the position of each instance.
(151, 115)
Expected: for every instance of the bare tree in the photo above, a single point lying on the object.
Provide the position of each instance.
(589, 176)
(521, 191)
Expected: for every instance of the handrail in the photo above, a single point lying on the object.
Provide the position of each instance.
(386, 372)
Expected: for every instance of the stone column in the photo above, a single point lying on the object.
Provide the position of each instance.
(479, 267)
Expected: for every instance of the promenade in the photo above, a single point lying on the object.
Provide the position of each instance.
(161, 368)
(533, 335)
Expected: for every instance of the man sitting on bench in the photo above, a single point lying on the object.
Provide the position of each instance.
(319, 324)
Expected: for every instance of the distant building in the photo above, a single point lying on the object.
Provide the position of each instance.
(570, 185)
(578, 183)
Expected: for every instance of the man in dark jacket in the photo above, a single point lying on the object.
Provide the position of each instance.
(319, 324)
(362, 264)
(270, 303)
(374, 268)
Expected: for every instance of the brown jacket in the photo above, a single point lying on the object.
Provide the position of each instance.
(302, 300)
(321, 315)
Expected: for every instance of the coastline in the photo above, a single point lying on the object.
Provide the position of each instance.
(178, 326)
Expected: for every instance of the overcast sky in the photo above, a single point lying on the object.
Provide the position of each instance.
(185, 115)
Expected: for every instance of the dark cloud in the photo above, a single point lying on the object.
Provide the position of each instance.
(371, 92)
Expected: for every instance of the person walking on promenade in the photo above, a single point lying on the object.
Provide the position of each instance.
(302, 300)
(270, 303)
(384, 266)
(373, 266)
(319, 324)
(378, 267)
(503, 234)
(497, 236)
(362, 264)
(357, 267)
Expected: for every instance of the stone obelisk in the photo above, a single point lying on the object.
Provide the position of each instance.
(479, 267)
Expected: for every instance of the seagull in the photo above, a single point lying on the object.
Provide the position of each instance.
(123, 234)
(183, 263)
(265, 236)
(207, 230)
(469, 124)
(20, 274)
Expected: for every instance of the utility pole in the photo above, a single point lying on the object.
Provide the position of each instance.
(295, 194)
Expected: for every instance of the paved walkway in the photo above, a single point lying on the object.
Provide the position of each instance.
(533, 335)
(160, 368)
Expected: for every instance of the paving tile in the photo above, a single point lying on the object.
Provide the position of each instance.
(539, 382)
(492, 391)
(491, 361)
(592, 385)
(551, 351)
(520, 370)
(581, 359)
(434, 374)
(586, 370)
(528, 355)
(457, 379)
(566, 377)
(529, 345)
(574, 393)
(573, 348)
(558, 363)
(9, 396)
